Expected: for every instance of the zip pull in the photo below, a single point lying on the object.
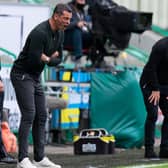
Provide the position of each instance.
(23, 76)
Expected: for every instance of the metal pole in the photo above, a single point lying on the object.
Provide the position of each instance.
(138, 5)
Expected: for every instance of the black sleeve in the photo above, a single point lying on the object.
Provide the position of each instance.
(57, 60)
(36, 46)
(54, 61)
(60, 47)
(157, 54)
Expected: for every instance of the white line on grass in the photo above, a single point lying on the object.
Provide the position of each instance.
(147, 166)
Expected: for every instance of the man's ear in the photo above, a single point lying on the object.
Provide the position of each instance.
(55, 16)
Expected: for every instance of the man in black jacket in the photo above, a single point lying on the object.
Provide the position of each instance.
(43, 46)
(154, 85)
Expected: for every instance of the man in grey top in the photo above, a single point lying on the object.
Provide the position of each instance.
(43, 46)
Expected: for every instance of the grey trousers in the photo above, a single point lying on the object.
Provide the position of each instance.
(31, 100)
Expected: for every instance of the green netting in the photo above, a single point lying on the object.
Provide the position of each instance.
(137, 53)
(32, 1)
(117, 105)
(8, 52)
(159, 30)
(7, 57)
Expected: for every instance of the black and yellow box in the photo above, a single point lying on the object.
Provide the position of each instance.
(94, 141)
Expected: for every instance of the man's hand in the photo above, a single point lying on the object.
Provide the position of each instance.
(80, 24)
(154, 97)
(45, 58)
(55, 54)
(1, 86)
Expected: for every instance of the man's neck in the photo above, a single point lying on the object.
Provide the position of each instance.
(52, 24)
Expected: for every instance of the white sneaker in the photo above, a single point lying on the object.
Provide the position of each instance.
(25, 163)
(46, 163)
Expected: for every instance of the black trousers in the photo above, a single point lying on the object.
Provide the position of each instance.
(31, 101)
(152, 114)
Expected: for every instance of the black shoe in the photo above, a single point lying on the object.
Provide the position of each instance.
(150, 155)
(8, 159)
(163, 153)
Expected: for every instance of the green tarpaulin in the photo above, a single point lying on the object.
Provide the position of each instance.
(117, 105)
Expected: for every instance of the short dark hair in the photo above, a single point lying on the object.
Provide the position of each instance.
(59, 8)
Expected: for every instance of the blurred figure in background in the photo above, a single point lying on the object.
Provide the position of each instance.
(4, 156)
(78, 34)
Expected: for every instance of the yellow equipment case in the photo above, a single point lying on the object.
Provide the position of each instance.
(94, 141)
